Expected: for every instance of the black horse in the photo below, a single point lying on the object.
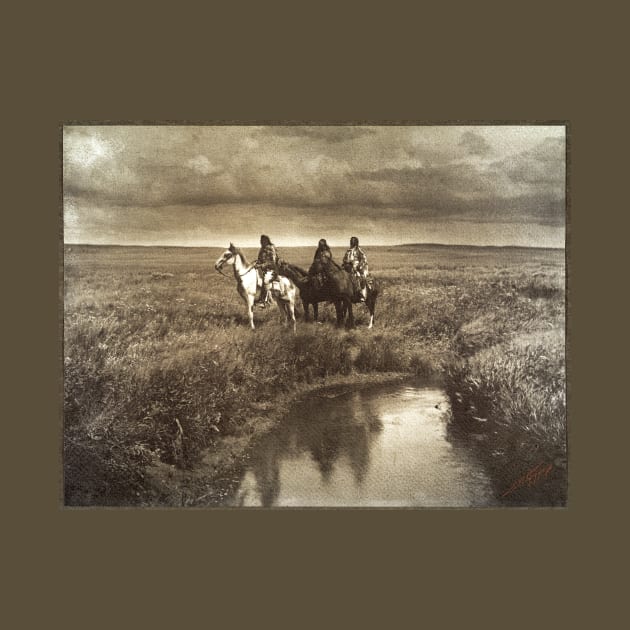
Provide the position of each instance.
(338, 288)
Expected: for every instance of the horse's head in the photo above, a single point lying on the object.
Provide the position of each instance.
(227, 257)
(232, 256)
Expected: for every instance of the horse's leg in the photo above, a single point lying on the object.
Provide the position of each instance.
(291, 315)
(280, 305)
(339, 309)
(283, 305)
(305, 307)
(250, 310)
(350, 322)
(371, 304)
(315, 311)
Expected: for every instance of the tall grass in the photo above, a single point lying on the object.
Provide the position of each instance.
(160, 366)
(514, 395)
(173, 406)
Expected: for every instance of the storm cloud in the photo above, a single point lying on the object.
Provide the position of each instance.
(123, 180)
(475, 144)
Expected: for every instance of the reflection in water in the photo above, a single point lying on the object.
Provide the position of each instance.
(384, 446)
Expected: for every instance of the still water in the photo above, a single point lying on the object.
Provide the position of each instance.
(379, 447)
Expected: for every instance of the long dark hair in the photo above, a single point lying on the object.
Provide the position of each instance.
(354, 242)
(322, 244)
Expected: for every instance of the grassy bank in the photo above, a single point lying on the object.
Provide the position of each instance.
(512, 397)
(165, 386)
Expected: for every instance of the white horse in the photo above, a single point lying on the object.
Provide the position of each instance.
(248, 279)
(284, 293)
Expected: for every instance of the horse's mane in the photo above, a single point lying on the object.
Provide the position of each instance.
(243, 257)
(295, 273)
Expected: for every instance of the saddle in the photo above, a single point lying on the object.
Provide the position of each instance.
(277, 287)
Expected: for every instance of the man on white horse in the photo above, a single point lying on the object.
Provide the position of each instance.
(267, 261)
(355, 261)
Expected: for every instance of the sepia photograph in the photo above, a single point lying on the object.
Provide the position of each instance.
(314, 316)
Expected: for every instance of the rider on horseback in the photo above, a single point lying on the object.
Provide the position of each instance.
(267, 260)
(322, 262)
(355, 262)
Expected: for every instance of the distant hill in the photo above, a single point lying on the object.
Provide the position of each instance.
(408, 246)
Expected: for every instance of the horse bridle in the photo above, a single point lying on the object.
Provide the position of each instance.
(220, 268)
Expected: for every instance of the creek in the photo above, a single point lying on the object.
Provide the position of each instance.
(384, 446)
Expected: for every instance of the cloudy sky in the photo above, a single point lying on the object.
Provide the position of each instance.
(185, 185)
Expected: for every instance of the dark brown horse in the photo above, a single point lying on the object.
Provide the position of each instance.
(338, 289)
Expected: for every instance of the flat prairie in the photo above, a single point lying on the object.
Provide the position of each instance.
(162, 372)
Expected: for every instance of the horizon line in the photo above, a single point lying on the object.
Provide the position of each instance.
(418, 244)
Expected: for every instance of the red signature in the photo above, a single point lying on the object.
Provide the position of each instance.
(530, 478)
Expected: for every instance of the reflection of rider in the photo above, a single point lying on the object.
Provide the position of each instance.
(355, 261)
(321, 262)
(267, 260)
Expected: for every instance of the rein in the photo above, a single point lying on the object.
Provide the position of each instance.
(247, 270)
(220, 270)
